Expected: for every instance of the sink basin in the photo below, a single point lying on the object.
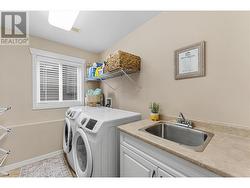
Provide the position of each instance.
(192, 138)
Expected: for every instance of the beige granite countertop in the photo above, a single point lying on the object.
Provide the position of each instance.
(227, 154)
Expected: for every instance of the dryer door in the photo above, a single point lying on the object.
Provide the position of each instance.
(82, 154)
(67, 136)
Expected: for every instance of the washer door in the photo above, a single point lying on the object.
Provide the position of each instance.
(67, 136)
(82, 154)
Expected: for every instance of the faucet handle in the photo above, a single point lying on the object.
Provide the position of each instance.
(182, 116)
(179, 120)
(182, 120)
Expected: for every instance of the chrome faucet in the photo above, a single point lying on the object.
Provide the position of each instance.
(181, 116)
(182, 121)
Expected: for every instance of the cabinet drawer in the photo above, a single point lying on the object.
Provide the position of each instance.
(163, 173)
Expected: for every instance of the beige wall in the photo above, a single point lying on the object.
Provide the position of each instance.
(16, 80)
(35, 132)
(222, 96)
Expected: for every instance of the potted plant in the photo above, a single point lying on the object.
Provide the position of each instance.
(154, 107)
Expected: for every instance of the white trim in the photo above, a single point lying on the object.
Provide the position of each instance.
(56, 104)
(35, 91)
(61, 83)
(44, 53)
(81, 83)
(60, 59)
(29, 161)
(34, 124)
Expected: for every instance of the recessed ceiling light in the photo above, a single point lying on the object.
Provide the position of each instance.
(63, 19)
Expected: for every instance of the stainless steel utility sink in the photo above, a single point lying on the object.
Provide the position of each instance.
(192, 138)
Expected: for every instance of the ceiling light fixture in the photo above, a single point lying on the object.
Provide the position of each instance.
(63, 19)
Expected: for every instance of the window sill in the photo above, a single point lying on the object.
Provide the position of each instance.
(55, 105)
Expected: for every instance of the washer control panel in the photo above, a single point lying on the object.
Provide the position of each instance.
(83, 120)
(72, 114)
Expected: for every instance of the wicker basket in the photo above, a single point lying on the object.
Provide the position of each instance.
(123, 60)
(93, 100)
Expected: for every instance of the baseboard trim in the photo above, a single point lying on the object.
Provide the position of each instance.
(29, 161)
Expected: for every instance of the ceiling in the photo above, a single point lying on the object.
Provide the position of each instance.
(99, 30)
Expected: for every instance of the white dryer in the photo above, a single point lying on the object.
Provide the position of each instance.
(69, 131)
(96, 141)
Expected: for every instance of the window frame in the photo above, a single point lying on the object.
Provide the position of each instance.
(37, 55)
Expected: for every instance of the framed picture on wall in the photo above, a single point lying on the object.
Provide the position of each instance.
(190, 61)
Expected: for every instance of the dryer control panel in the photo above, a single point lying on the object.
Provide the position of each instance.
(91, 124)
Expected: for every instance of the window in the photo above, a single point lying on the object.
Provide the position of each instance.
(57, 80)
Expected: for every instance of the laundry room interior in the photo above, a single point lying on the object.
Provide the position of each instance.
(125, 94)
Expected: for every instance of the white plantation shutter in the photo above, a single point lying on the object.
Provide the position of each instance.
(49, 81)
(57, 80)
(69, 76)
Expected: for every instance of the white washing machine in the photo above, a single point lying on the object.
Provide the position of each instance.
(96, 141)
(69, 131)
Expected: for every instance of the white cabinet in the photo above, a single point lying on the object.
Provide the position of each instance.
(133, 165)
(163, 173)
(139, 159)
(136, 165)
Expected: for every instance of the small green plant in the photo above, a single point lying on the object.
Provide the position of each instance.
(154, 107)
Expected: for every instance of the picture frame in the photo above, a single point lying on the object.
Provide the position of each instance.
(190, 61)
(109, 102)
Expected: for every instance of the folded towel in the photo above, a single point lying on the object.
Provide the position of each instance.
(97, 91)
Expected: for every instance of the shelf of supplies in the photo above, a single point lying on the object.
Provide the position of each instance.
(114, 74)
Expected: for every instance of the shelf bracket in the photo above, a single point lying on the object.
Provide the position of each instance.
(131, 80)
(105, 82)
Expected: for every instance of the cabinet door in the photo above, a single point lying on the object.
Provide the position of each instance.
(133, 165)
(162, 173)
